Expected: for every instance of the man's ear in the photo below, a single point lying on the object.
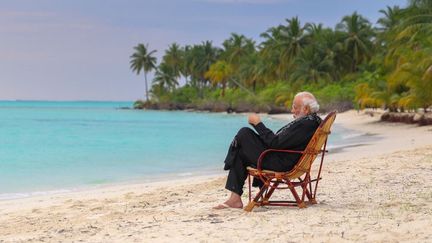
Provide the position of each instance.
(306, 109)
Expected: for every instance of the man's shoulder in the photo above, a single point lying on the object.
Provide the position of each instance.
(312, 119)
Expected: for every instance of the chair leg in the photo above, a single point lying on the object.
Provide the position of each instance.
(250, 188)
(255, 202)
(311, 200)
(307, 189)
(300, 203)
(270, 192)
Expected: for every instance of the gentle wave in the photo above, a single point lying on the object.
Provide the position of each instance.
(45, 148)
(9, 196)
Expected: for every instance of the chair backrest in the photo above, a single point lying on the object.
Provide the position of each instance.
(314, 147)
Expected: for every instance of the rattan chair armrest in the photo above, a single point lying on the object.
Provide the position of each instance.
(265, 152)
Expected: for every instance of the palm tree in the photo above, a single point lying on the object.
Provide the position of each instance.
(389, 29)
(328, 50)
(237, 50)
(363, 96)
(270, 50)
(358, 38)
(286, 42)
(316, 34)
(210, 54)
(270, 55)
(200, 58)
(412, 32)
(252, 71)
(294, 39)
(417, 18)
(415, 72)
(174, 58)
(392, 17)
(293, 42)
(236, 47)
(165, 77)
(186, 67)
(219, 73)
(192, 66)
(142, 59)
(312, 66)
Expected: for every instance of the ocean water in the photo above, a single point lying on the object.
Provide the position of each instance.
(56, 146)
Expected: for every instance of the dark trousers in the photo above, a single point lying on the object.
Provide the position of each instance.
(244, 151)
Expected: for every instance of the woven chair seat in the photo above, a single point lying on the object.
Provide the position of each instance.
(252, 169)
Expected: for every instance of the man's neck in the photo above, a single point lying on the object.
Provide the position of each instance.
(301, 115)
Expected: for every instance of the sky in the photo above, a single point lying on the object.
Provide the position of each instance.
(80, 49)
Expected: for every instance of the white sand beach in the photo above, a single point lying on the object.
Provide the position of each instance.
(377, 192)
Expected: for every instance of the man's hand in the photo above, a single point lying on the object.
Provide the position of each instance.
(254, 119)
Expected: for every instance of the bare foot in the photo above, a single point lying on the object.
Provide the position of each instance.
(229, 204)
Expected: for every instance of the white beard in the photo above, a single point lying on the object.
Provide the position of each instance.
(300, 115)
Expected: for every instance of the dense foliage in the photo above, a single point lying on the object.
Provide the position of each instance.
(355, 64)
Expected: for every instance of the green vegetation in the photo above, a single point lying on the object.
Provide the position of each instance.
(143, 60)
(355, 64)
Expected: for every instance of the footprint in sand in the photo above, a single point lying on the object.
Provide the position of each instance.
(96, 208)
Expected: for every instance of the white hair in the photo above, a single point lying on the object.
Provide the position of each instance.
(309, 100)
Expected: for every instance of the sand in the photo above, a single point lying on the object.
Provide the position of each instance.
(378, 192)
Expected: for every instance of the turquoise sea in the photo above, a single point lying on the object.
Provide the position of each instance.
(50, 146)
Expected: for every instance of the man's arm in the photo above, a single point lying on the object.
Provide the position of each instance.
(266, 134)
(298, 134)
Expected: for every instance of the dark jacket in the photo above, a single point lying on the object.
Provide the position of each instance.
(293, 136)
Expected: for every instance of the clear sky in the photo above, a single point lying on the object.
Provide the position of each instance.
(79, 49)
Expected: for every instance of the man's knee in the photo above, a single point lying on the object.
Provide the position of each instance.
(245, 135)
(244, 132)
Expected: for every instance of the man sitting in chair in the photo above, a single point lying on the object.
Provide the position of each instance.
(247, 146)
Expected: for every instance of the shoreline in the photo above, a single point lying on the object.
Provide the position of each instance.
(154, 180)
(163, 177)
(374, 192)
(348, 120)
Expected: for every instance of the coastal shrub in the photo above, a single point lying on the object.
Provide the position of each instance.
(336, 96)
(234, 96)
(336, 93)
(139, 104)
(184, 95)
(276, 94)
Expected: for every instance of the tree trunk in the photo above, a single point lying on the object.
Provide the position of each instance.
(354, 66)
(200, 88)
(146, 87)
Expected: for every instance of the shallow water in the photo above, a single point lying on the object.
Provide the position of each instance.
(56, 146)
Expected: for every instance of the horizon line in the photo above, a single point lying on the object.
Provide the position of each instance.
(43, 100)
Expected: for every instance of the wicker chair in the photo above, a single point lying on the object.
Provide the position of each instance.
(299, 176)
